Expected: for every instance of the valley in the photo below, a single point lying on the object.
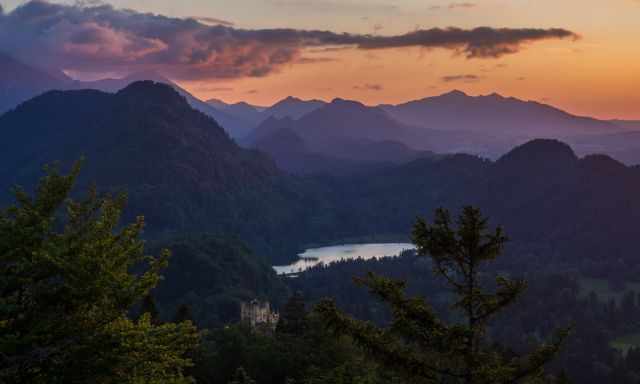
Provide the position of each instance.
(307, 194)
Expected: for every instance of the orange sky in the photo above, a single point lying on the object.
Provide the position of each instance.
(586, 77)
(597, 75)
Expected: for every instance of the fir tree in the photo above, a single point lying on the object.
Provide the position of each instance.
(293, 316)
(149, 307)
(422, 347)
(242, 377)
(183, 314)
(66, 287)
(563, 378)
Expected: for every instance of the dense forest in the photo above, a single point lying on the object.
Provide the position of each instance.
(206, 278)
(553, 202)
(227, 214)
(552, 299)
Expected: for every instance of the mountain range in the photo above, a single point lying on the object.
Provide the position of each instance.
(342, 131)
(313, 136)
(289, 107)
(184, 172)
(495, 115)
(20, 82)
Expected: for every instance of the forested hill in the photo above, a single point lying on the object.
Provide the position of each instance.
(178, 166)
(185, 174)
(553, 203)
(145, 134)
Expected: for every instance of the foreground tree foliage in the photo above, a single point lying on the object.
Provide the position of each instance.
(239, 354)
(421, 347)
(67, 287)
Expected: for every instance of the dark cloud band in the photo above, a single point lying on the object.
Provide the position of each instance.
(94, 38)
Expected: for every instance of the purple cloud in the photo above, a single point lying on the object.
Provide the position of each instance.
(94, 38)
(213, 21)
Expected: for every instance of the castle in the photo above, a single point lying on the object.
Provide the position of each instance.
(258, 314)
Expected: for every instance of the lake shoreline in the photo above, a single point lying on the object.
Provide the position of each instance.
(312, 257)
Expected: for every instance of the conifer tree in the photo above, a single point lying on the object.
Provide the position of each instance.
(563, 378)
(149, 307)
(293, 317)
(422, 347)
(183, 314)
(66, 287)
(242, 377)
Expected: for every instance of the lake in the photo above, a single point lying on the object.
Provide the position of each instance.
(326, 255)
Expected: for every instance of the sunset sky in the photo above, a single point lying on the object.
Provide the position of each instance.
(580, 55)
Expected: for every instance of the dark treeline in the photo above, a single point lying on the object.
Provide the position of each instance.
(551, 300)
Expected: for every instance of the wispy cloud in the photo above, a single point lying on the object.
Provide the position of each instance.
(462, 5)
(466, 78)
(98, 37)
(452, 6)
(369, 87)
(314, 60)
(213, 21)
(338, 5)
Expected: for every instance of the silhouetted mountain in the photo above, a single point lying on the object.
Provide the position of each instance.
(20, 82)
(495, 115)
(282, 140)
(450, 123)
(178, 165)
(217, 103)
(290, 152)
(246, 112)
(347, 129)
(146, 134)
(349, 119)
(623, 146)
(632, 125)
(236, 127)
(293, 107)
(268, 127)
(342, 130)
(186, 175)
(555, 206)
(539, 153)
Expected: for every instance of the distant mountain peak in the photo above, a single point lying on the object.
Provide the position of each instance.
(495, 95)
(150, 90)
(217, 103)
(603, 163)
(347, 103)
(297, 100)
(550, 150)
(294, 107)
(454, 93)
(147, 75)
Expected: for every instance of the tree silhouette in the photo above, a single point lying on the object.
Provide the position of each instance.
(293, 317)
(422, 347)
